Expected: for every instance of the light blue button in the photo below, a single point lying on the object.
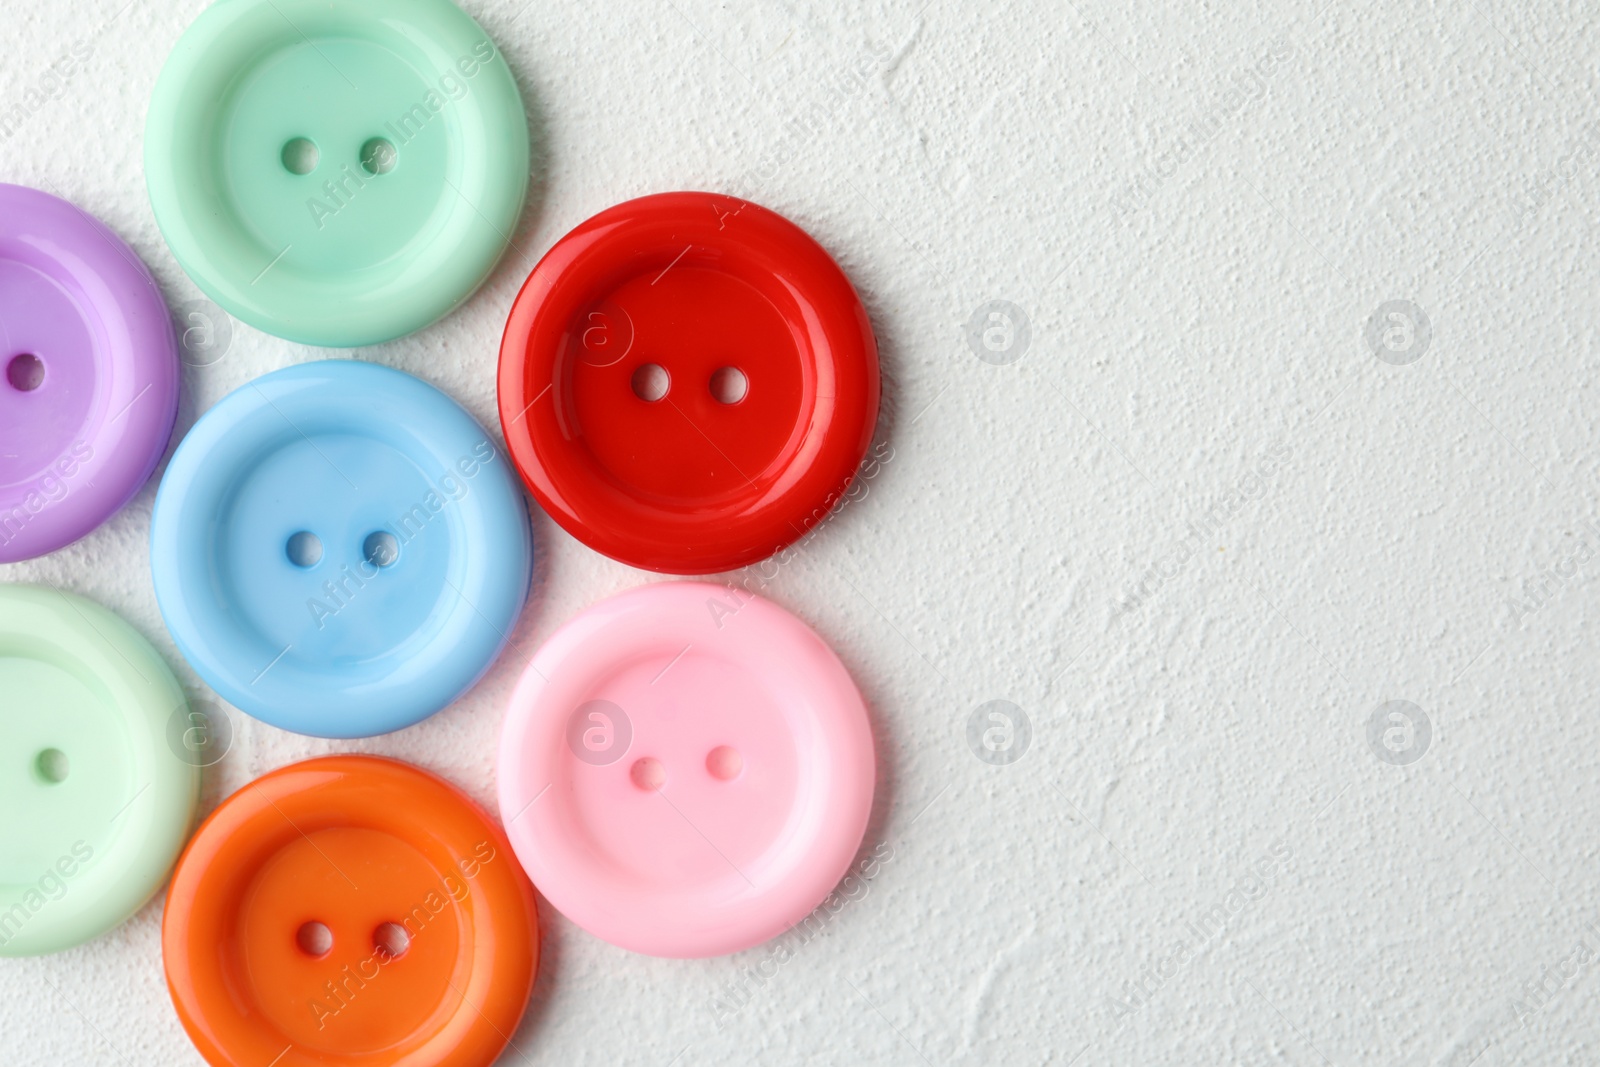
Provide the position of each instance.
(339, 549)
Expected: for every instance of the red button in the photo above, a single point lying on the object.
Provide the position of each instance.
(688, 382)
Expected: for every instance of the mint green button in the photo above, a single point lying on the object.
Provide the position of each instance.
(336, 173)
(97, 803)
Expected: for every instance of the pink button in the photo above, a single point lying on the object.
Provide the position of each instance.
(686, 770)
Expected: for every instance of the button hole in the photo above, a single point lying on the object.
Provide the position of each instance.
(300, 156)
(304, 549)
(25, 372)
(51, 766)
(651, 382)
(314, 939)
(381, 549)
(391, 940)
(729, 385)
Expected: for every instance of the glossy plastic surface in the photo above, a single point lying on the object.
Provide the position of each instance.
(88, 373)
(691, 283)
(339, 549)
(336, 173)
(685, 771)
(354, 844)
(96, 803)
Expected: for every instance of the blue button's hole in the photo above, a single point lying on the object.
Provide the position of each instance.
(52, 766)
(378, 156)
(25, 372)
(300, 156)
(304, 549)
(314, 939)
(380, 548)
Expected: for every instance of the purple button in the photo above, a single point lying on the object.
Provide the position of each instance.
(88, 373)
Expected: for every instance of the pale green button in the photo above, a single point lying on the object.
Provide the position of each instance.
(337, 173)
(96, 801)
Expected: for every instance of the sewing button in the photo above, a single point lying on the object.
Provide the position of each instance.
(349, 910)
(339, 549)
(337, 174)
(88, 373)
(686, 770)
(688, 382)
(96, 804)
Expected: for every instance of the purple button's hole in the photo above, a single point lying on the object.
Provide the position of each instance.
(300, 156)
(391, 939)
(25, 372)
(304, 549)
(314, 939)
(729, 385)
(651, 382)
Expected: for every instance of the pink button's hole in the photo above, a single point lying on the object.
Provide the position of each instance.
(729, 385)
(651, 382)
(648, 774)
(25, 372)
(314, 939)
(724, 763)
(391, 939)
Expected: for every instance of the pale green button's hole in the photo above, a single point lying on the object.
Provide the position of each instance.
(300, 156)
(52, 766)
(378, 156)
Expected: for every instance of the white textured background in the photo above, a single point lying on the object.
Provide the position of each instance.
(956, 152)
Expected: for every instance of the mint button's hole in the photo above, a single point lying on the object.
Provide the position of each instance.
(378, 156)
(304, 549)
(650, 382)
(52, 766)
(391, 939)
(729, 385)
(380, 548)
(648, 774)
(25, 372)
(314, 939)
(724, 763)
(300, 156)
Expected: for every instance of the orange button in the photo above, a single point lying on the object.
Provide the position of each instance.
(350, 910)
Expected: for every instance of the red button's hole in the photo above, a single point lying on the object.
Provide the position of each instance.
(729, 385)
(651, 382)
